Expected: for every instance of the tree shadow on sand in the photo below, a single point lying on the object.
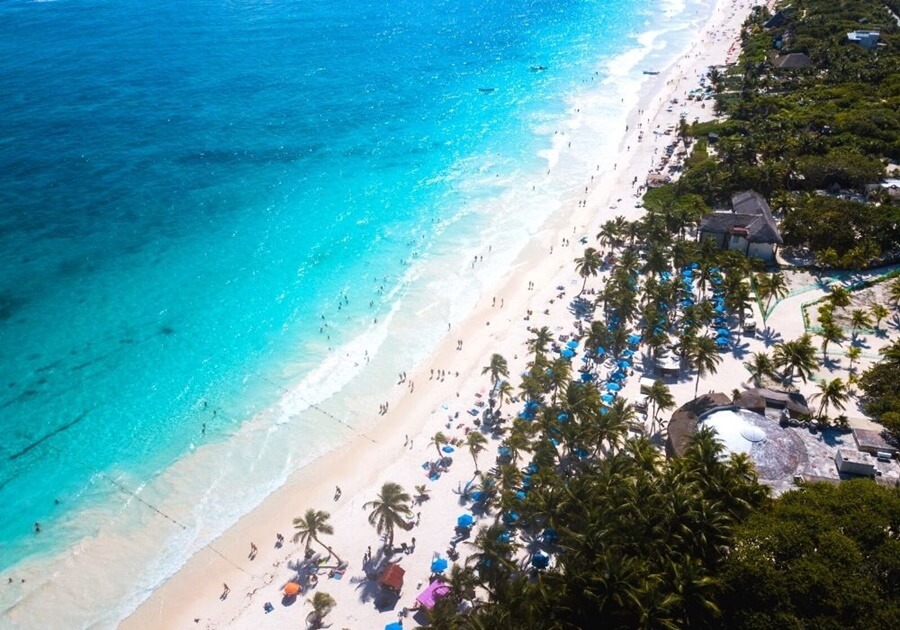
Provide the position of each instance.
(770, 337)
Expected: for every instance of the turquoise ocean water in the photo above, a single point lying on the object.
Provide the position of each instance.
(206, 205)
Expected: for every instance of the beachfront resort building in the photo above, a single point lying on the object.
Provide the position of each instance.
(749, 226)
(866, 39)
(792, 61)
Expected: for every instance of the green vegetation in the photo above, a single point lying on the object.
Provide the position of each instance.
(789, 132)
(696, 541)
(822, 557)
(879, 384)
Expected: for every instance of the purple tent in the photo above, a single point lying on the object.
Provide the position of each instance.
(435, 591)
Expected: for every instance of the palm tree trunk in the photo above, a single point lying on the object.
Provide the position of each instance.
(697, 385)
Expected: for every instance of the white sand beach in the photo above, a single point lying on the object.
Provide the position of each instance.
(395, 445)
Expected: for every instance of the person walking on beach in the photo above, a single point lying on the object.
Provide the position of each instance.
(225, 591)
(253, 551)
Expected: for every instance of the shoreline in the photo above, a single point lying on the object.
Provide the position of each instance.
(193, 592)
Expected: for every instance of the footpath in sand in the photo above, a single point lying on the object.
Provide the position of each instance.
(192, 597)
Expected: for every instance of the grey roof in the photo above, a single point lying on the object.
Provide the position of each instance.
(793, 60)
(749, 211)
(794, 401)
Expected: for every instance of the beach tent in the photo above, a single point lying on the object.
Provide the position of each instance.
(392, 577)
(292, 589)
(435, 591)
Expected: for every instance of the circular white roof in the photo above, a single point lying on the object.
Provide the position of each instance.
(734, 432)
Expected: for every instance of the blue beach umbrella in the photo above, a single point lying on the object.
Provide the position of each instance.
(550, 535)
(520, 494)
(613, 387)
(587, 377)
(634, 338)
(465, 520)
(540, 560)
(572, 344)
(526, 482)
(622, 363)
(628, 353)
(477, 496)
(562, 416)
(532, 468)
(607, 398)
(695, 265)
(618, 375)
(723, 332)
(722, 341)
(510, 517)
(503, 537)
(439, 565)
(720, 308)
(601, 351)
(567, 353)
(504, 450)
(394, 626)
(448, 449)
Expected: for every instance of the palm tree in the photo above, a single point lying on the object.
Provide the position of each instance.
(497, 368)
(879, 312)
(853, 353)
(840, 297)
(439, 440)
(313, 523)
(322, 604)
(859, 319)
(542, 337)
(389, 510)
(611, 231)
(475, 441)
(894, 293)
(588, 265)
(704, 356)
(775, 287)
(504, 392)
(760, 366)
(831, 393)
(660, 397)
(831, 332)
(796, 355)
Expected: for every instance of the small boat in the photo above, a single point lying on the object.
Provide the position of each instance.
(651, 71)
(538, 68)
(486, 90)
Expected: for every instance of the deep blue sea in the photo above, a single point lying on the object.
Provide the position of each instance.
(189, 190)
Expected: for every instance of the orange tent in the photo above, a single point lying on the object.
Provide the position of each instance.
(291, 589)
